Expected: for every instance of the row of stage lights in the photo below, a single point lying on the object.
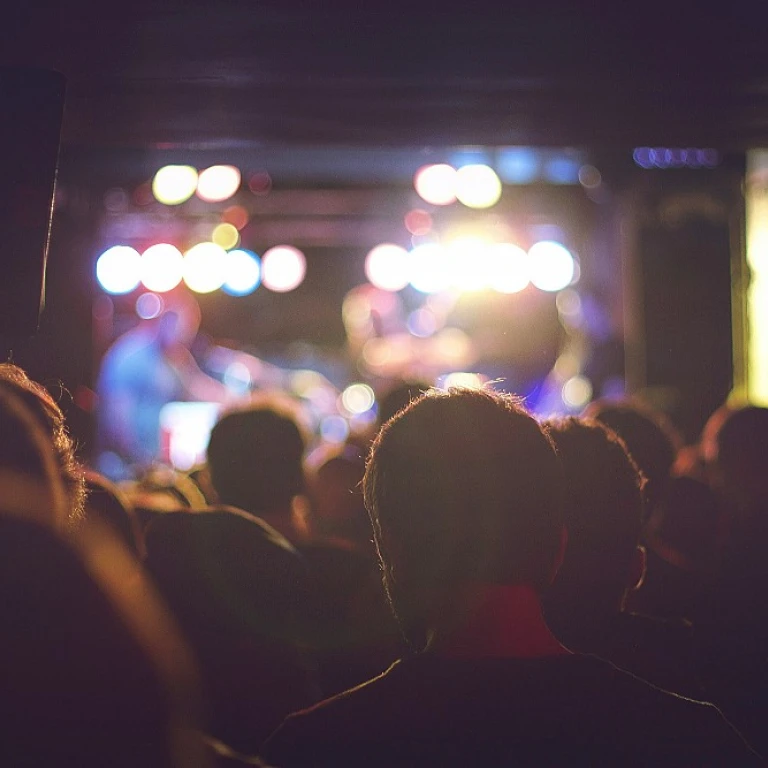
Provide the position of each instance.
(465, 264)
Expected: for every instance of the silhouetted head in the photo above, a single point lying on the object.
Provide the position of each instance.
(603, 518)
(737, 460)
(50, 417)
(398, 397)
(650, 438)
(463, 487)
(255, 459)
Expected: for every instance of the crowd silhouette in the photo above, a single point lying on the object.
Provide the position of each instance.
(467, 585)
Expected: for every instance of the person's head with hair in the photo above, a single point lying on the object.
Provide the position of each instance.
(50, 417)
(651, 439)
(108, 504)
(463, 487)
(736, 461)
(398, 396)
(255, 457)
(603, 519)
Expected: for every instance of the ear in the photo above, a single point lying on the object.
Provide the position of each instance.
(637, 568)
(560, 555)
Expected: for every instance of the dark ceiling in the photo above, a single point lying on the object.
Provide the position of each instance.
(249, 73)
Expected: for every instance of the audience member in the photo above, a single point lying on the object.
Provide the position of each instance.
(255, 462)
(465, 493)
(604, 561)
(51, 419)
(241, 595)
(108, 504)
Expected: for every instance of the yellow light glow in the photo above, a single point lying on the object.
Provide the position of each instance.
(386, 267)
(162, 266)
(463, 379)
(217, 183)
(283, 268)
(204, 267)
(469, 263)
(173, 184)
(757, 293)
(507, 268)
(436, 184)
(226, 235)
(477, 186)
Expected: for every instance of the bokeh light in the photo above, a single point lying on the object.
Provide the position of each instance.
(418, 222)
(174, 184)
(242, 272)
(225, 235)
(260, 183)
(477, 186)
(431, 269)
(334, 429)
(149, 306)
(235, 215)
(118, 269)
(358, 398)
(283, 268)
(204, 267)
(162, 267)
(468, 259)
(577, 392)
(217, 183)
(507, 268)
(463, 379)
(386, 267)
(422, 323)
(551, 265)
(436, 184)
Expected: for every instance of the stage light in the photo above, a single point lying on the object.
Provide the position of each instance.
(463, 379)
(283, 268)
(507, 268)
(149, 306)
(577, 392)
(358, 398)
(422, 323)
(386, 267)
(174, 184)
(436, 184)
(204, 267)
(551, 265)
(242, 272)
(217, 183)
(431, 269)
(334, 429)
(226, 236)
(118, 269)
(468, 259)
(162, 267)
(235, 215)
(418, 222)
(477, 186)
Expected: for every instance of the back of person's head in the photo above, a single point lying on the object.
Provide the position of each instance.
(650, 438)
(255, 459)
(398, 397)
(108, 504)
(603, 517)
(50, 417)
(463, 487)
(93, 672)
(738, 459)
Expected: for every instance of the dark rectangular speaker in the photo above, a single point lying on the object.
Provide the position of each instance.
(31, 113)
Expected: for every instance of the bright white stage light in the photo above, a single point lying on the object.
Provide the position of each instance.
(386, 267)
(551, 265)
(468, 257)
(477, 186)
(162, 267)
(242, 272)
(508, 268)
(217, 183)
(358, 398)
(204, 267)
(173, 184)
(283, 268)
(436, 184)
(431, 268)
(118, 269)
